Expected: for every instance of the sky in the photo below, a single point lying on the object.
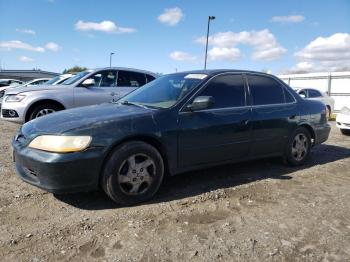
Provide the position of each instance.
(168, 36)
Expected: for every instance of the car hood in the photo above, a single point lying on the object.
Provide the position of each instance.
(17, 90)
(84, 118)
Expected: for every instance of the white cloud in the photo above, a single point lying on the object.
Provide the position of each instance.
(182, 56)
(52, 46)
(26, 31)
(104, 26)
(264, 43)
(288, 19)
(16, 44)
(224, 53)
(171, 16)
(325, 54)
(25, 59)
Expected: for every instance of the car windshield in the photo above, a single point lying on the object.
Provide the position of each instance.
(76, 78)
(164, 91)
(53, 80)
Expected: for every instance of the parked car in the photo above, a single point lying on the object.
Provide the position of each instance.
(9, 82)
(85, 88)
(57, 80)
(35, 82)
(314, 94)
(343, 120)
(176, 123)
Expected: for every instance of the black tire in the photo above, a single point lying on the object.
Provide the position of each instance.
(47, 106)
(119, 160)
(345, 131)
(293, 158)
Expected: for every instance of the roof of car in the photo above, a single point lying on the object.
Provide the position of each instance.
(127, 69)
(220, 71)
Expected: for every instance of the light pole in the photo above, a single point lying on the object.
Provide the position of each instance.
(206, 45)
(110, 59)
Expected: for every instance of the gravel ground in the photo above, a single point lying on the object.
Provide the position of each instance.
(254, 211)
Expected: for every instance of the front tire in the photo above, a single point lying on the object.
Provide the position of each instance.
(42, 110)
(133, 173)
(298, 148)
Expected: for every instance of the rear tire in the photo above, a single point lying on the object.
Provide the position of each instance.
(298, 147)
(133, 173)
(43, 109)
(345, 131)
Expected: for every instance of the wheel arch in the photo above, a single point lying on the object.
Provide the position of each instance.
(40, 102)
(149, 139)
(310, 129)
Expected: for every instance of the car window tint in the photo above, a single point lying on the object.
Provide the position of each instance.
(265, 91)
(149, 78)
(131, 79)
(314, 93)
(227, 91)
(289, 97)
(105, 79)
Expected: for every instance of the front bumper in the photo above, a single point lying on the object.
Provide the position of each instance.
(58, 173)
(343, 121)
(18, 107)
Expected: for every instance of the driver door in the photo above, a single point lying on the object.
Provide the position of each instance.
(221, 132)
(101, 88)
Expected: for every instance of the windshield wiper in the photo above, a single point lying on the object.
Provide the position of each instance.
(125, 102)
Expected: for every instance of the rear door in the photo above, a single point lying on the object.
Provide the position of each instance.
(103, 90)
(221, 132)
(129, 81)
(274, 114)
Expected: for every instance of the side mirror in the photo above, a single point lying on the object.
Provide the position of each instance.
(89, 82)
(201, 102)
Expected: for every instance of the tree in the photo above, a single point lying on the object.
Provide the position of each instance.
(74, 69)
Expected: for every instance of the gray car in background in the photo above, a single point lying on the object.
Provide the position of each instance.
(314, 94)
(85, 88)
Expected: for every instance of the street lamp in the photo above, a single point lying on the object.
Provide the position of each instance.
(110, 59)
(206, 46)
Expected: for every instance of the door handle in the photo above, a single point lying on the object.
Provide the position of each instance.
(112, 94)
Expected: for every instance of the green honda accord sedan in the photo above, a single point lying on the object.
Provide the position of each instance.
(176, 123)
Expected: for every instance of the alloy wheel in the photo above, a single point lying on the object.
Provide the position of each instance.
(300, 147)
(44, 112)
(136, 174)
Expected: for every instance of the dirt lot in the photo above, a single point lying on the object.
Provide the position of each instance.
(256, 211)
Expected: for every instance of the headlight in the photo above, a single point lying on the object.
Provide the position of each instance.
(15, 98)
(345, 111)
(60, 144)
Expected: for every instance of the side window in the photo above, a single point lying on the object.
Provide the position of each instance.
(265, 91)
(149, 78)
(314, 93)
(104, 79)
(289, 97)
(131, 79)
(227, 91)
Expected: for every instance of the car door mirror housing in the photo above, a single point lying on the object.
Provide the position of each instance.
(201, 102)
(88, 82)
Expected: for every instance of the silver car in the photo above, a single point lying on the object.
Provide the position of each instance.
(85, 88)
(310, 93)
